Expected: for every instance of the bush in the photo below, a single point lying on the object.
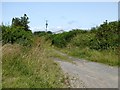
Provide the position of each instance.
(82, 40)
(42, 33)
(16, 35)
(106, 36)
(61, 40)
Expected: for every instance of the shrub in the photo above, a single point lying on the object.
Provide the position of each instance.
(106, 36)
(16, 35)
(61, 40)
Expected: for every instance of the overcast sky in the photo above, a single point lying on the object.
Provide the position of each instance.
(61, 15)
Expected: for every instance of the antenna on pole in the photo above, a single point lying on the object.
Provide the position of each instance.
(46, 25)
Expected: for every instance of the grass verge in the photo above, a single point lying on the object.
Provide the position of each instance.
(108, 57)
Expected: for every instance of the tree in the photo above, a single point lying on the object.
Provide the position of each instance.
(18, 32)
(49, 32)
(25, 22)
(106, 36)
(16, 22)
(21, 22)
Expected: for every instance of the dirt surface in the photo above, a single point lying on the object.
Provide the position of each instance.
(86, 74)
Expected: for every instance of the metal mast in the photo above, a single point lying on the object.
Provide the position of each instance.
(46, 25)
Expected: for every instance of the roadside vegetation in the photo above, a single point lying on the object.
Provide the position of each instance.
(27, 57)
(29, 68)
(100, 44)
(26, 62)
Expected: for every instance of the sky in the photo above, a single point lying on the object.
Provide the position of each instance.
(61, 15)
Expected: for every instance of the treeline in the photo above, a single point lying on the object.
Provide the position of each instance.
(42, 33)
(104, 37)
(61, 40)
(18, 32)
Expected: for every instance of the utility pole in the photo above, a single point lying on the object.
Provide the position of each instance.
(46, 25)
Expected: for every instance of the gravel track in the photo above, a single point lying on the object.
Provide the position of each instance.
(86, 74)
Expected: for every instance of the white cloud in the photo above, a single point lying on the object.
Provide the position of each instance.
(37, 29)
(55, 28)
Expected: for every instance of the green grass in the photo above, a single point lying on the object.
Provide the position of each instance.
(108, 57)
(56, 54)
(24, 67)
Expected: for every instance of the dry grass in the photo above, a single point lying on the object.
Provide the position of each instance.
(30, 67)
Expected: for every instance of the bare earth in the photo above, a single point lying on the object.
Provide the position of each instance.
(86, 74)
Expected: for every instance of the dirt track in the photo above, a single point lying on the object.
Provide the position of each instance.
(85, 74)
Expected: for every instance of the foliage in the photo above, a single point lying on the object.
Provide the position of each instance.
(100, 38)
(82, 40)
(61, 40)
(21, 22)
(100, 44)
(16, 35)
(106, 36)
(42, 33)
(18, 32)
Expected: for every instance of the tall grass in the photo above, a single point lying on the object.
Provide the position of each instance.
(106, 56)
(25, 67)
